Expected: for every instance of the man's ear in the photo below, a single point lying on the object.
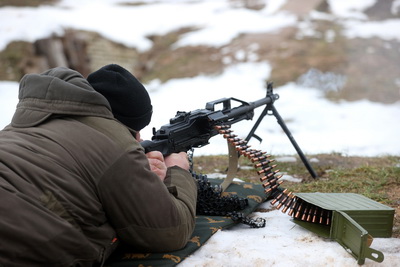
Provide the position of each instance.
(137, 136)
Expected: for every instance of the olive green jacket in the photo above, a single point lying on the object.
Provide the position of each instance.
(74, 182)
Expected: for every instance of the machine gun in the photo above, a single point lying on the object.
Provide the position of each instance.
(194, 129)
(188, 130)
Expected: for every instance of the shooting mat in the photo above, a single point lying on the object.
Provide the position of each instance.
(206, 226)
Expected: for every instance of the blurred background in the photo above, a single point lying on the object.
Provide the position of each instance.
(315, 51)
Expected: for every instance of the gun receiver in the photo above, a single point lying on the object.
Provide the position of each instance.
(193, 129)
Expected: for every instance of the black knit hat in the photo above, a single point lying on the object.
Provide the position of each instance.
(129, 100)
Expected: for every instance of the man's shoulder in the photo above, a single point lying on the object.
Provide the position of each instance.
(113, 129)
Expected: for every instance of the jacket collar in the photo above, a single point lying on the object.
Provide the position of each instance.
(58, 91)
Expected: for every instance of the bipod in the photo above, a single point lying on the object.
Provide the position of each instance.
(271, 110)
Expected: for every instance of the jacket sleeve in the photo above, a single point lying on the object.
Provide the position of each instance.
(148, 214)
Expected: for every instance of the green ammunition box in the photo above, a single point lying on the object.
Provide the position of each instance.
(350, 219)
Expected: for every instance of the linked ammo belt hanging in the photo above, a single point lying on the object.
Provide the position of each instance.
(270, 178)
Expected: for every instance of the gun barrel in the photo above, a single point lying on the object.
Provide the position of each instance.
(249, 107)
(265, 100)
(243, 112)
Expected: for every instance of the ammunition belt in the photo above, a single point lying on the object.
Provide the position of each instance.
(210, 201)
(286, 201)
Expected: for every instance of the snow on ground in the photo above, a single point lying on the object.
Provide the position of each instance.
(319, 126)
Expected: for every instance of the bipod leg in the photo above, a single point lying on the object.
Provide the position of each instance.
(255, 126)
(294, 143)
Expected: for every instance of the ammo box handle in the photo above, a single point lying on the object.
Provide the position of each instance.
(348, 233)
(370, 254)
